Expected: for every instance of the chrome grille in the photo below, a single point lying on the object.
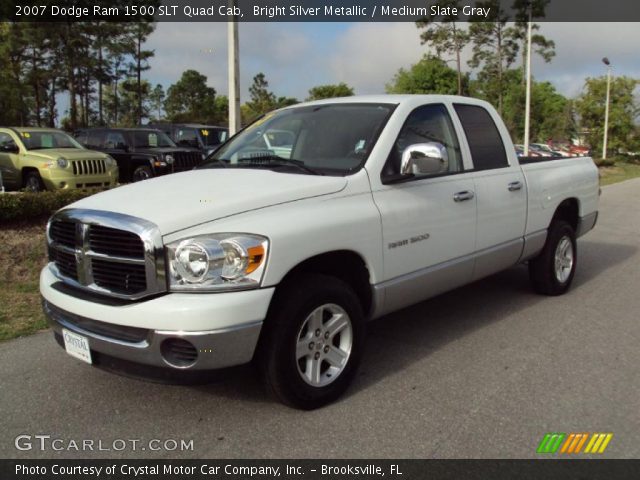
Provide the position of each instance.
(63, 233)
(108, 253)
(88, 167)
(123, 278)
(186, 161)
(66, 263)
(112, 241)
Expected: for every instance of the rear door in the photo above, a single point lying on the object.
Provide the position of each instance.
(501, 193)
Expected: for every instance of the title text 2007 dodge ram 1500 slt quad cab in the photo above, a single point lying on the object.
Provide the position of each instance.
(280, 256)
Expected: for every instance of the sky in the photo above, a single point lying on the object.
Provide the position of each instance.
(297, 56)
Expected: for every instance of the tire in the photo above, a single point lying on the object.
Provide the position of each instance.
(552, 271)
(33, 182)
(141, 173)
(312, 343)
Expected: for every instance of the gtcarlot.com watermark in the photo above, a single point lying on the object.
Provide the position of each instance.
(45, 443)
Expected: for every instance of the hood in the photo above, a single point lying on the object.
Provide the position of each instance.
(68, 153)
(182, 200)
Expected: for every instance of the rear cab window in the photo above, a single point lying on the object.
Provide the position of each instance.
(485, 143)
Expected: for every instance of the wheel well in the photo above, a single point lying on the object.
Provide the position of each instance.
(26, 170)
(568, 211)
(346, 265)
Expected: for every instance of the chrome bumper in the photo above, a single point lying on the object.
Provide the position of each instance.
(214, 349)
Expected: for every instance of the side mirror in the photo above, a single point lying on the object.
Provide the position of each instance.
(9, 148)
(424, 159)
(122, 146)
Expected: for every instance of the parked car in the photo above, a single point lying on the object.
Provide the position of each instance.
(541, 147)
(579, 150)
(203, 137)
(383, 202)
(39, 159)
(141, 153)
(520, 151)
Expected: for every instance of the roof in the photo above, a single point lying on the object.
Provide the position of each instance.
(188, 125)
(36, 129)
(126, 129)
(393, 99)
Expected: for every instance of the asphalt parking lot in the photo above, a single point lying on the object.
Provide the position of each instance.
(484, 371)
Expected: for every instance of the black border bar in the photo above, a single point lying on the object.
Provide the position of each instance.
(588, 469)
(303, 10)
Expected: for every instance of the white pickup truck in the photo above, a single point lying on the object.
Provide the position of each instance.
(281, 256)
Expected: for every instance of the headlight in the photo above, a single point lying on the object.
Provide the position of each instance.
(225, 261)
(169, 159)
(109, 161)
(62, 162)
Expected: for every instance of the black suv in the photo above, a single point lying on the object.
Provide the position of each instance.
(141, 153)
(206, 138)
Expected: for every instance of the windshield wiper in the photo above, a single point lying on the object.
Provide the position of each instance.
(276, 161)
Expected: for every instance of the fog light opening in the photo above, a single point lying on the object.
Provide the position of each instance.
(178, 352)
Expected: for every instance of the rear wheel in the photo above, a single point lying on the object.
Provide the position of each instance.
(33, 182)
(141, 173)
(552, 271)
(313, 342)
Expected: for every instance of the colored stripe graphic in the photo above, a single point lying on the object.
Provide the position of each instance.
(572, 443)
(598, 442)
(551, 442)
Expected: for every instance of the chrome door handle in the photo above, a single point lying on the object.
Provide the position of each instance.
(513, 186)
(462, 196)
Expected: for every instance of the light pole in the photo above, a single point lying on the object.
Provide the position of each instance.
(605, 60)
(527, 103)
(234, 73)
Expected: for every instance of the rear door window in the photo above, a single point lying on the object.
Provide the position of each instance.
(483, 137)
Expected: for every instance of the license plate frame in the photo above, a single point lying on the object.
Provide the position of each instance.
(77, 346)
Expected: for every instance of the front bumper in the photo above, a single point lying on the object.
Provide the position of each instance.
(62, 179)
(140, 332)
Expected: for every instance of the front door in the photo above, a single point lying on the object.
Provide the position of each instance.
(428, 222)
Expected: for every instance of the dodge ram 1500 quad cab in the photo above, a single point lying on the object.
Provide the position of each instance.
(281, 256)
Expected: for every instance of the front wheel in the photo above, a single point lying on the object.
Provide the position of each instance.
(313, 342)
(141, 173)
(552, 271)
(33, 182)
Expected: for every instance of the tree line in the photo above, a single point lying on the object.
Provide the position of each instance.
(496, 72)
(101, 66)
(98, 64)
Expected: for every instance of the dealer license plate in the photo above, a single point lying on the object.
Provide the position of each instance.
(77, 345)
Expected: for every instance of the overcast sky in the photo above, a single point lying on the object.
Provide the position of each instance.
(297, 56)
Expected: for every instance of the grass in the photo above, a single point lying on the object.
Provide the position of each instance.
(22, 256)
(620, 172)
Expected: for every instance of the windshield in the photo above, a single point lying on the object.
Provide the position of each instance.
(212, 136)
(151, 138)
(332, 138)
(40, 140)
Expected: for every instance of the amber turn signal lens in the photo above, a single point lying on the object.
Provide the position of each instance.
(256, 255)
